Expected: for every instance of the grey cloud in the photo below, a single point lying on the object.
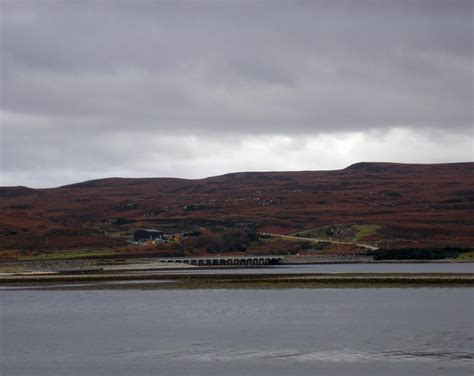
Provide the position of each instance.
(96, 70)
(80, 60)
(71, 157)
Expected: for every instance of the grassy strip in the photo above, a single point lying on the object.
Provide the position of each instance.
(70, 255)
(241, 286)
(466, 256)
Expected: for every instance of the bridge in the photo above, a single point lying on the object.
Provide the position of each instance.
(220, 260)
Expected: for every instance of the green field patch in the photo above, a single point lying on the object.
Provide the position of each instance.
(466, 256)
(341, 231)
(364, 231)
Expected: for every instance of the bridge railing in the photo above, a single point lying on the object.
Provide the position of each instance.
(250, 260)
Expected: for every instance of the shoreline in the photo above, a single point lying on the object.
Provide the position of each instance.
(78, 264)
(154, 273)
(230, 281)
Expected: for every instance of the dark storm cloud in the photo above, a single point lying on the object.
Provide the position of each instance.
(320, 66)
(97, 70)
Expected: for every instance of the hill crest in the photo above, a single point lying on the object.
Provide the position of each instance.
(412, 205)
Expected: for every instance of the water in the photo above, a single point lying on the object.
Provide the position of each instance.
(426, 331)
(340, 268)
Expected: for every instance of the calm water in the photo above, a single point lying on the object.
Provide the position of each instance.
(238, 332)
(344, 268)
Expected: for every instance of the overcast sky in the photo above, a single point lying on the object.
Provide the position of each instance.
(92, 89)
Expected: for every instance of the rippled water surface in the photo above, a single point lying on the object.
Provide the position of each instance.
(392, 331)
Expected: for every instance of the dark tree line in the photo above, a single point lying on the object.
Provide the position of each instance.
(418, 253)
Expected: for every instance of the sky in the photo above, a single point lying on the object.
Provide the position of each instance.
(94, 89)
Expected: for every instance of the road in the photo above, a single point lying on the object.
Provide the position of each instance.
(363, 245)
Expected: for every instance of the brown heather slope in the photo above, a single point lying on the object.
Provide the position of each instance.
(414, 205)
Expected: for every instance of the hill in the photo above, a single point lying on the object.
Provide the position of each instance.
(384, 204)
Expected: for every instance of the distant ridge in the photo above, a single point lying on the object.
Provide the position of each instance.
(412, 205)
(372, 167)
(359, 166)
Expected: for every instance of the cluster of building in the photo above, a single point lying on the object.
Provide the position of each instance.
(148, 235)
(156, 236)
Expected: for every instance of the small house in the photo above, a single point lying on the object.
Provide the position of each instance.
(144, 235)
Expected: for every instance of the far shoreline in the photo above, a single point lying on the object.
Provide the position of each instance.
(81, 266)
(209, 280)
